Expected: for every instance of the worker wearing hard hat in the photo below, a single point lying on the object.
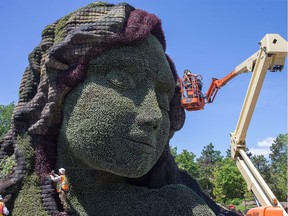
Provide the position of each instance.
(3, 209)
(61, 187)
(187, 79)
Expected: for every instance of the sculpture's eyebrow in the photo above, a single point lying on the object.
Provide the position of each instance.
(133, 64)
(125, 60)
(129, 61)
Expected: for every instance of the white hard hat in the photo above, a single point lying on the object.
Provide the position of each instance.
(1, 197)
(62, 170)
(188, 72)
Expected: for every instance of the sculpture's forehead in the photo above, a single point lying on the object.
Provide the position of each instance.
(148, 54)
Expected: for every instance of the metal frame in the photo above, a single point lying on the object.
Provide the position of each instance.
(271, 56)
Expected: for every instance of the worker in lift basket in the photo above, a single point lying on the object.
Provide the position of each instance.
(61, 187)
(187, 78)
(3, 209)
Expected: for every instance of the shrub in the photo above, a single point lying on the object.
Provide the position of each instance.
(6, 165)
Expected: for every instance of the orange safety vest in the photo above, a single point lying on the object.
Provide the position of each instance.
(62, 185)
(1, 208)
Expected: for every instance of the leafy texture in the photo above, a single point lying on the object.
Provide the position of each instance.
(279, 172)
(26, 150)
(6, 165)
(207, 164)
(186, 161)
(100, 114)
(228, 182)
(29, 198)
(66, 65)
(5, 118)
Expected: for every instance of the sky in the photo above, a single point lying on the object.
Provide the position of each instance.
(207, 37)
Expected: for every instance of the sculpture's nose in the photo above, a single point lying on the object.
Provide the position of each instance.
(149, 113)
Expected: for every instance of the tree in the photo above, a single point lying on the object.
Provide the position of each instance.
(173, 151)
(209, 155)
(186, 161)
(5, 118)
(207, 162)
(228, 182)
(263, 166)
(228, 152)
(278, 157)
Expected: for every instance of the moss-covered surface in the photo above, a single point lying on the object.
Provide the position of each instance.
(126, 200)
(28, 201)
(26, 149)
(115, 126)
(59, 30)
(121, 102)
(116, 119)
(6, 165)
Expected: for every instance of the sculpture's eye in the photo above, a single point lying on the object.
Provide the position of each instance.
(163, 101)
(121, 79)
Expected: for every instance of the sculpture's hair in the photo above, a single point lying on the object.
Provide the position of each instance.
(56, 66)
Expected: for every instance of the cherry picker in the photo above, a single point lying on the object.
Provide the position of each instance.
(271, 56)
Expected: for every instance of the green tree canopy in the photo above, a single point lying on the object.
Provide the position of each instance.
(5, 118)
(207, 161)
(228, 182)
(278, 157)
(209, 156)
(263, 166)
(186, 161)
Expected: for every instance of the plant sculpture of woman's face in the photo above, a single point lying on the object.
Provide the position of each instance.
(117, 119)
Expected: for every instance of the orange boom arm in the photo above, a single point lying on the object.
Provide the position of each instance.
(217, 84)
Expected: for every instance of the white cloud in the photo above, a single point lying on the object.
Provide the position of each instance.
(267, 142)
(260, 151)
(263, 147)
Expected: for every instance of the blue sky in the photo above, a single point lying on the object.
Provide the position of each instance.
(208, 37)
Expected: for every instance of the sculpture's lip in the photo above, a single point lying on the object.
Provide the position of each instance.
(140, 144)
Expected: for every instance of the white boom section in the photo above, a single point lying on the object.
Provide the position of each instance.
(271, 56)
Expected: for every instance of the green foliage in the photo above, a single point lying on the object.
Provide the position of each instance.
(279, 172)
(228, 153)
(5, 118)
(236, 201)
(28, 201)
(105, 119)
(228, 182)
(101, 111)
(207, 163)
(186, 161)
(96, 4)
(6, 165)
(278, 154)
(263, 166)
(225, 179)
(26, 149)
(173, 151)
(59, 30)
(209, 156)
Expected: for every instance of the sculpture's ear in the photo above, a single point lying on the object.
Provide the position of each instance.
(177, 113)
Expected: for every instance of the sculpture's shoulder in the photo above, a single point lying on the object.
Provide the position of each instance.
(182, 200)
